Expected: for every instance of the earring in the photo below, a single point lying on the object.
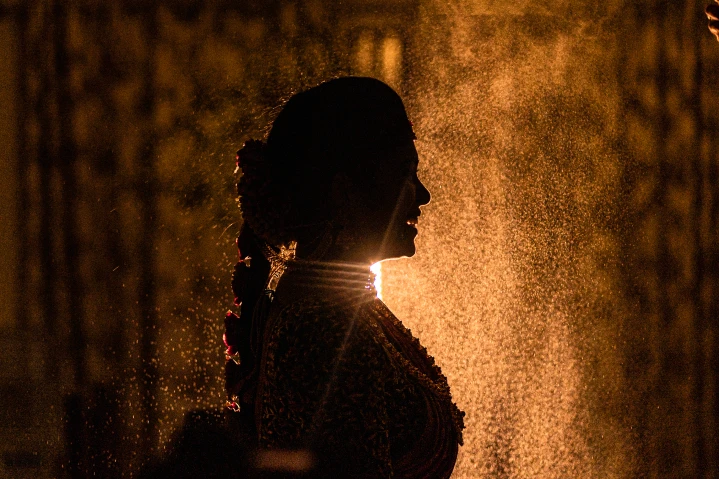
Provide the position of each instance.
(346, 239)
(323, 242)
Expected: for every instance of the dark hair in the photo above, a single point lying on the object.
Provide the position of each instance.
(338, 126)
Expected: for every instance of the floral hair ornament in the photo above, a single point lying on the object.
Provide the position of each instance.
(278, 258)
(240, 274)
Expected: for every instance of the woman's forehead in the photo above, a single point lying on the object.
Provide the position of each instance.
(400, 157)
(406, 151)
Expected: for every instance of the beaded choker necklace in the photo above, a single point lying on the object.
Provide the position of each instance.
(348, 277)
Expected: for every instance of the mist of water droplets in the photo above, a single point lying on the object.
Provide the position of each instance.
(513, 287)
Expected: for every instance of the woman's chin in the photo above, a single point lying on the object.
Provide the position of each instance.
(409, 250)
(402, 250)
(400, 245)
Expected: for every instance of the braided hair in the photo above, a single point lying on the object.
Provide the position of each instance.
(339, 126)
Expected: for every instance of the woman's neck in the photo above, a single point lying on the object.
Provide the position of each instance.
(328, 246)
(328, 277)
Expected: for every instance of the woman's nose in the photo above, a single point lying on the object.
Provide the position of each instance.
(422, 193)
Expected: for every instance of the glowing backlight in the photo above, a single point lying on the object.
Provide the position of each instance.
(377, 270)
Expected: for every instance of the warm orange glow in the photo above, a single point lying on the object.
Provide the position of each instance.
(364, 53)
(391, 60)
(377, 270)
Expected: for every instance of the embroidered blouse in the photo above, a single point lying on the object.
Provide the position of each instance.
(340, 375)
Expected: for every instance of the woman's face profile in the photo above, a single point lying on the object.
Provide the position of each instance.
(384, 212)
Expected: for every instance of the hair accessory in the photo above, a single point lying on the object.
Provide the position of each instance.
(278, 262)
(232, 337)
(233, 404)
(240, 274)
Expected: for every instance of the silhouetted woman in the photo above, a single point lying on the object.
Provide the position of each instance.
(315, 361)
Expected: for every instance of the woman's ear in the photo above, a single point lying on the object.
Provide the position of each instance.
(340, 191)
(345, 206)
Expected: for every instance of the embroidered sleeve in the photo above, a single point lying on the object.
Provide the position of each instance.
(324, 389)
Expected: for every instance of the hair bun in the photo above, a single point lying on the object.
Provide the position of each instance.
(251, 155)
(265, 207)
